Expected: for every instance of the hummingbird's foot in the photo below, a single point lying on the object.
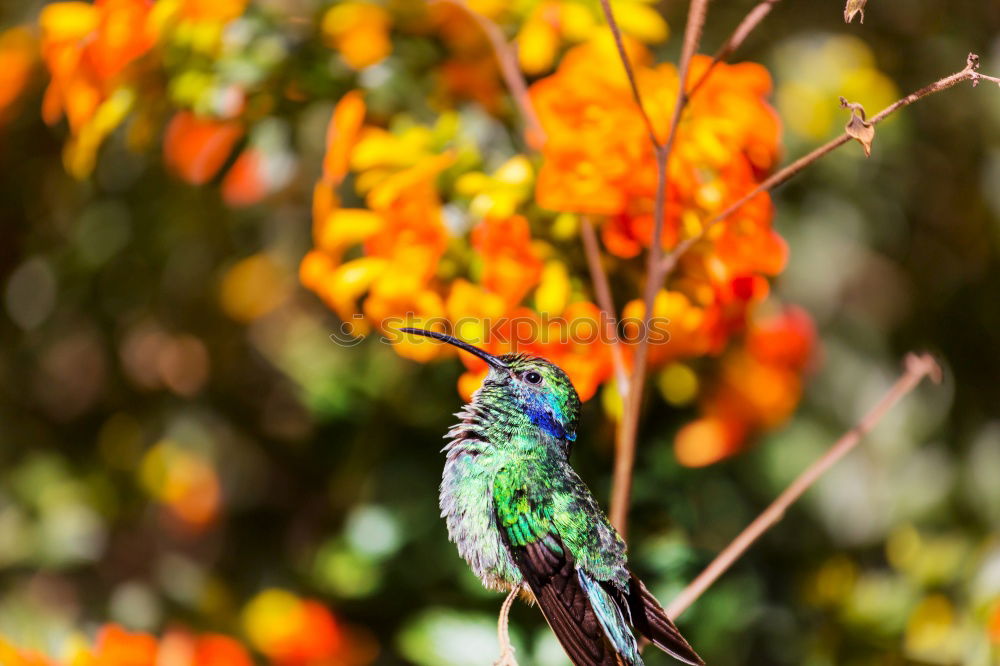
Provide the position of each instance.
(503, 633)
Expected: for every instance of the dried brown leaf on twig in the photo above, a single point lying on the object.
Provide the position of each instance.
(854, 7)
(858, 126)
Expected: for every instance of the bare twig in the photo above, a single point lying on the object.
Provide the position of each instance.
(917, 367)
(602, 291)
(609, 16)
(854, 7)
(511, 72)
(503, 631)
(982, 77)
(628, 427)
(733, 42)
(780, 177)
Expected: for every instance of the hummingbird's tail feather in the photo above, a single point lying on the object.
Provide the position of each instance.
(609, 614)
(566, 605)
(649, 619)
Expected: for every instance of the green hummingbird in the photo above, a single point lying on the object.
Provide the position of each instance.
(524, 520)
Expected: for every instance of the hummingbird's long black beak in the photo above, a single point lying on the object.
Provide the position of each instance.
(486, 356)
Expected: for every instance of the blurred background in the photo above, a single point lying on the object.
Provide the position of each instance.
(183, 449)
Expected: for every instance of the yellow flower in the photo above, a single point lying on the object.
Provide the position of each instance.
(501, 194)
(553, 23)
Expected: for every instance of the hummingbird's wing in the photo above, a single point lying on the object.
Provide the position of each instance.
(587, 621)
(574, 562)
(568, 608)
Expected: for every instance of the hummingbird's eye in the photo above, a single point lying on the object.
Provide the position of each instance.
(532, 377)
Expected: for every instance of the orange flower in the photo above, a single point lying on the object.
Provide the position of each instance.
(401, 233)
(787, 339)
(117, 647)
(341, 135)
(246, 181)
(403, 243)
(196, 148)
(18, 53)
(292, 631)
(213, 11)
(993, 624)
(255, 174)
(86, 49)
(598, 158)
(511, 266)
(413, 236)
(181, 648)
(708, 440)
(759, 386)
(678, 327)
(219, 650)
(597, 155)
(359, 31)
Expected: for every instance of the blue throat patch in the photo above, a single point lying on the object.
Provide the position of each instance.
(541, 416)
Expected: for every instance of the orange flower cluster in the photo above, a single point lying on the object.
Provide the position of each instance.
(91, 52)
(292, 631)
(598, 159)
(431, 236)
(760, 383)
(18, 54)
(288, 630)
(492, 273)
(406, 273)
(359, 31)
(88, 49)
(114, 646)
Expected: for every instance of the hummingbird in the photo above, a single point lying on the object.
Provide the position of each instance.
(524, 520)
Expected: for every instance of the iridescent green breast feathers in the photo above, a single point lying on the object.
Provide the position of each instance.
(522, 517)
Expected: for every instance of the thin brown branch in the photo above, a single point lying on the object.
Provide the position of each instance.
(669, 262)
(510, 70)
(735, 40)
(616, 32)
(917, 367)
(628, 428)
(602, 291)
